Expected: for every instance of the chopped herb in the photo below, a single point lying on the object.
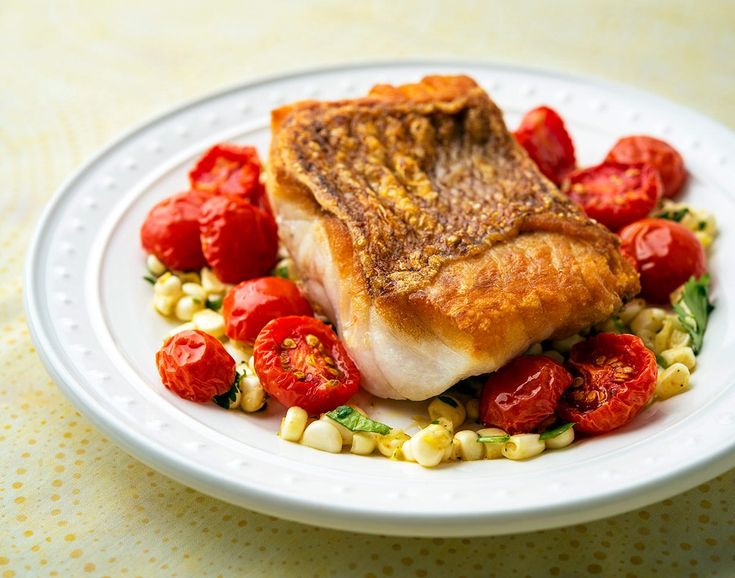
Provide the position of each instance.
(673, 215)
(229, 397)
(446, 399)
(661, 361)
(702, 225)
(281, 270)
(196, 300)
(693, 309)
(555, 432)
(493, 439)
(151, 280)
(435, 422)
(214, 302)
(354, 421)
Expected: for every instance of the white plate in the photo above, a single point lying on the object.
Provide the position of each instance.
(91, 318)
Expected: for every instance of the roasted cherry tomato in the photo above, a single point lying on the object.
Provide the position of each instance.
(300, 361)
(666, 254)
(247, 307)
(660, 155)
(171, 231)
(229, 169)
(615, 376)
(615, 194)
(523, 394)
(547, 142)
(195, 366)
(239, 240)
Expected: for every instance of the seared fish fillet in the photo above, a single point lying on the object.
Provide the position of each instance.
(428, 236)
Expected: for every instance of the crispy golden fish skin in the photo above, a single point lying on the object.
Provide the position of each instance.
(430, 238)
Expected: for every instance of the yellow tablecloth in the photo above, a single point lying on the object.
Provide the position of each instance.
(75, 74)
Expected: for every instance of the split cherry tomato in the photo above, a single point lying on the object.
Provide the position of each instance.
(547, 142)
(229, 169)
(300, 361)
(523, 394)
(195, 366)
(657, 153)
(247, 307)
(615, 376)
(615, 194)
(239, 240)
(171, 231)
(666, 255)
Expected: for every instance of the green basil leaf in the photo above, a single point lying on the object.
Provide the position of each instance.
(493, 439)
(446, 399)
(555, 432)
(228, 398)
(673, 215)
(693, 309)
(150, 279)
(354, 421)
(661, 361)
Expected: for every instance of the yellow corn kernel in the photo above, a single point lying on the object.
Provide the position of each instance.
(523, 446)
(448, 407)
(323, 436)
(467, 447)
(492, 450)
(650, 319)
(630, 310)
(293, 424)
(562, 440)
(672, 381)
(390, 443)
(363, 443)
(683, 355)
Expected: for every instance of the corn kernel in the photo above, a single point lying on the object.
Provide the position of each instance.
(448, 407)
(362, 444)
(672, 381)
(154, 265)
(523, 446)
(293, 424)
(323, 436)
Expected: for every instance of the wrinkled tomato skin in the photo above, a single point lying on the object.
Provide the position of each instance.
(523, 394)
(615, 194)
(195, 366)
(249, 306)
(657, 153)
(239, 240)
(171, 231)
(625, 392)
(666, 255)
(229, 169)
(313, 392)
(546, 140)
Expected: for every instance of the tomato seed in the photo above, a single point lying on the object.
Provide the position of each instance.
(312, 340)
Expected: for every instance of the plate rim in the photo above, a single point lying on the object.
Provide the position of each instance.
(154, 455)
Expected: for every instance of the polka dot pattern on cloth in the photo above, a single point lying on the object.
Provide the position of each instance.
(74, 504)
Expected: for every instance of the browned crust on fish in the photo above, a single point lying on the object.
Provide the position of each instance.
(421, 175)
